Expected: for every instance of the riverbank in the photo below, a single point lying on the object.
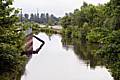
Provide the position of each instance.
(97, 24)
(56, 29)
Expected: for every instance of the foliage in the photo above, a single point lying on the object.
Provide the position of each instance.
(113, 10)
(12, 64)
(66, 21)
(110, 53)
(98, 24)
(96, 34)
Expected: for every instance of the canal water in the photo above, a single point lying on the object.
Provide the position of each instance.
(59, 61)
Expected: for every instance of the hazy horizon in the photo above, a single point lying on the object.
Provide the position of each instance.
(56, 7)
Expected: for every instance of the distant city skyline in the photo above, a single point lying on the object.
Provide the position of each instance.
(56, 7)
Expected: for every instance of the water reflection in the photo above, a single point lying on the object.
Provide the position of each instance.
(83, 50)
(62, 59)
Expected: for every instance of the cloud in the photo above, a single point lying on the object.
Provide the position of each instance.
(58, 7)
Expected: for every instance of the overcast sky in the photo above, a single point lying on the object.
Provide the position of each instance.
(56, 7)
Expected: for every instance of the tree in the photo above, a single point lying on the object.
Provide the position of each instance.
(65, 21)
(32, 17)
(47, 17)
(113, 11)
(11, 63)
(26, 16)
(84, 5)
(37, 18)
(43, 18)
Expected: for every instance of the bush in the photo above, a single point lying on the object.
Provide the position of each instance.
(96, 34)
(110, 53)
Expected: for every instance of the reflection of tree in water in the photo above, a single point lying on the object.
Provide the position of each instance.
(50, 35)
(67, 43)
(83, 50)
(87, 52)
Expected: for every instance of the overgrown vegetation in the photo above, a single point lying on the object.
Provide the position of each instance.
(98, 24)
(12, 64)
(95, 24)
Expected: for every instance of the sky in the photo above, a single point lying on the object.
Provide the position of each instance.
(56, 7)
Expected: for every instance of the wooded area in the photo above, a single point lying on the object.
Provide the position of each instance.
(98, 24)
(95, 24)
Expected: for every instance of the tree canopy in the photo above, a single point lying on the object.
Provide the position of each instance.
(11, 62)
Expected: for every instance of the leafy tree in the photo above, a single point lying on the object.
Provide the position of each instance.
(66, 21)
(47, 17)
(32, 17)
(11, 63)
(110, 53)
(26, 16)
(113, 10)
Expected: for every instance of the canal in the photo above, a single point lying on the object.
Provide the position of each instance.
(59, 60)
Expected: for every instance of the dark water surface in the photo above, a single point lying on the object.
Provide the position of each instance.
(56, 61)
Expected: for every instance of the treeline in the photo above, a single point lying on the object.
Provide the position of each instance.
(40, 18)
(97, 24)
